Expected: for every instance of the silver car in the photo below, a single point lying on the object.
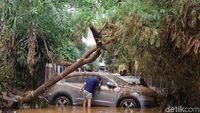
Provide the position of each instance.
(114, 92)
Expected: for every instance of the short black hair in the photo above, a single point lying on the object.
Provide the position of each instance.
(98, 78)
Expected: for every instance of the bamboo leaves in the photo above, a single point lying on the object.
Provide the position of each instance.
(193, 44)
(184, 29)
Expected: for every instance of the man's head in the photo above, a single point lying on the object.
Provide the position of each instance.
(99, 78)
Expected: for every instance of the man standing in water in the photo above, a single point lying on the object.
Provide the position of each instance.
(89, 87)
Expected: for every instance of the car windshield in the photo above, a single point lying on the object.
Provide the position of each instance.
(118, 80)
(132, 78)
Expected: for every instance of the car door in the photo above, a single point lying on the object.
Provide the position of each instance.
(74, 85)
(105, 96)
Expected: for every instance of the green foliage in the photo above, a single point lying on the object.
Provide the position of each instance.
(67, 50)
(55, 23)
(62, 23)
(156, 34)
(137, 21)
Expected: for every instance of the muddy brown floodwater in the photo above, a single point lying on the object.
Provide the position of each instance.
(79, 109)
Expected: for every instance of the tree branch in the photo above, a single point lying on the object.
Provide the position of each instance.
(88, 53)
(93, 57)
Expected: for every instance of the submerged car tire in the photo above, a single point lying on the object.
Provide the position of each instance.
(62, 101)
(129, 103)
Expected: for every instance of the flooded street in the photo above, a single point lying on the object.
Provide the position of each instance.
(79, 109)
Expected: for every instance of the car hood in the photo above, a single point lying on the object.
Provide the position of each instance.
(145, 91)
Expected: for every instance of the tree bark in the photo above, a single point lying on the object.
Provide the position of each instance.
(48, 54)
(4, 54)
(31, 48)
(14, 54)
(88, 57)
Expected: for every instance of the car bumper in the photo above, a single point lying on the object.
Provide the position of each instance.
(149, 104)
(148, 101)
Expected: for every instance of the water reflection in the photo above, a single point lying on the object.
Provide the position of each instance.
(79, 109)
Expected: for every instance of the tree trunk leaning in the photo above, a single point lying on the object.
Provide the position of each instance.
(88, 57)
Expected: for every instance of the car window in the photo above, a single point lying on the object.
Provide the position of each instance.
(75, 79)
(104, 80)
(85, 78)
(81, 79)
(118, 80)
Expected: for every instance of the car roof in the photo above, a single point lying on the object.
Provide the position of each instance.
(137, 77)
(90, 73)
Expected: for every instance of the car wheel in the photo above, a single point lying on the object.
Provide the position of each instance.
(129, 103)
(62, 101)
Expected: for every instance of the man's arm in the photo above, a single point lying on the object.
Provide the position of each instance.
(99, 85)
(82, 88)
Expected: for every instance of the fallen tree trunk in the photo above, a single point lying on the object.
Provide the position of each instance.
(91, 55)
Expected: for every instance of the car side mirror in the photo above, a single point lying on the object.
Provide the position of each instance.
(133, 83)
(111, 85)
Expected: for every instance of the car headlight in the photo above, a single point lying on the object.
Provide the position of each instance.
(137, 94)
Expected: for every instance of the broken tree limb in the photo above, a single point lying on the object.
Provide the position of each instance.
(93, 56)
(88, 53)
(88, 57)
